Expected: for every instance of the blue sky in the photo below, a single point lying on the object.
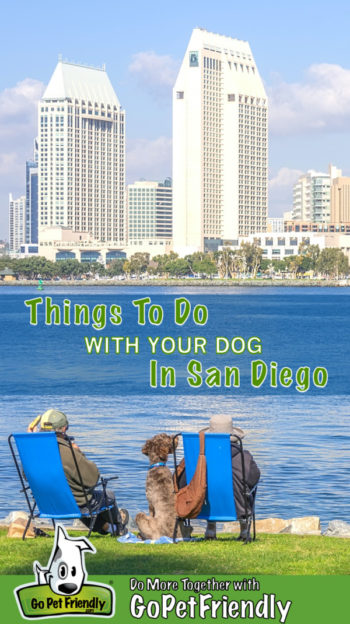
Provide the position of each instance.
(301, 49)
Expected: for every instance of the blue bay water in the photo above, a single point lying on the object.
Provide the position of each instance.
(301, 440)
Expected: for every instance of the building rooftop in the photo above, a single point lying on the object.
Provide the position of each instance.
(224, 43)
(80, 82)
(210, 32)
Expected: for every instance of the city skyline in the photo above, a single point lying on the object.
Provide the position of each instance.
(305, 72)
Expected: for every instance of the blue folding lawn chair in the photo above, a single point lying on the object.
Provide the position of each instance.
(219, 504)
(44, 484)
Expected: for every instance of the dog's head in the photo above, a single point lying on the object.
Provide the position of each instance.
(159, 447)
(66, 569)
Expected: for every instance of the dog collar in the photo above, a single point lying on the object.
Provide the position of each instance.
(157, 464)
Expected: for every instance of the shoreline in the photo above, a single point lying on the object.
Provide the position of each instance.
(191, 283)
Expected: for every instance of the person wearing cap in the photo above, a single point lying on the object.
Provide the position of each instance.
(222, 423)
(54, 420)
(40, 422)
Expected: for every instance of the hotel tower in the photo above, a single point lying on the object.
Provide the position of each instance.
(220, 164)
(82, 154)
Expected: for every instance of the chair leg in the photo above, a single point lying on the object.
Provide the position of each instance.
(120, 519)
(104, 502)
(92, 523)
(248, 539)
(175, 529)
(111, 522)
(30, 518)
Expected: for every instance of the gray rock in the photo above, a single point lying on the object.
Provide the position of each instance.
(337, 528)
(44, 523)
(78, 524)
(13, 515)
(309, 525)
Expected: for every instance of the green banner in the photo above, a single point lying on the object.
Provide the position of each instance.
(292, 599)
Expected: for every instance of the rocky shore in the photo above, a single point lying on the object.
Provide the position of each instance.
(308, 525)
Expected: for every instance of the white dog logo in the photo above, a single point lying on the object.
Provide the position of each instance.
(65, 572)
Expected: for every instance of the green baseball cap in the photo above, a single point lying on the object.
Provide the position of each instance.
(53, 419)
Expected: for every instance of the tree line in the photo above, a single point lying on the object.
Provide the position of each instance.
(245, 261)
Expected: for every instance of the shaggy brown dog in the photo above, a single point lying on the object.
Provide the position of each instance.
(159, 491)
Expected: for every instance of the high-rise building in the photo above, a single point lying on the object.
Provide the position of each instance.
(219, 144)
(340, 199)
(82, 154)
(17, 222)
(312, 196)
(32, 197)
(149, 211)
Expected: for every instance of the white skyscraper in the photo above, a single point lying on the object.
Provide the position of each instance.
(219, 144)
(17, 222)
(82, 154)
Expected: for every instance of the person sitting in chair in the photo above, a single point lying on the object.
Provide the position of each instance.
(54, 420)
(222, 423)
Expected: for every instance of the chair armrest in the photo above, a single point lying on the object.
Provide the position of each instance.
(102, 481)
(105, 480)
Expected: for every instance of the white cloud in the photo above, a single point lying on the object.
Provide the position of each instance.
(8, 163)
(319, 103)
(281, 190)
(18, 109)
(18, 128)
(148, 159)
(285, 177)
(155, 73)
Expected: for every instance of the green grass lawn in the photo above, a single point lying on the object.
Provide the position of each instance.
(270, 554)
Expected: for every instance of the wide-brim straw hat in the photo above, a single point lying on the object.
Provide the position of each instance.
(222, 423)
